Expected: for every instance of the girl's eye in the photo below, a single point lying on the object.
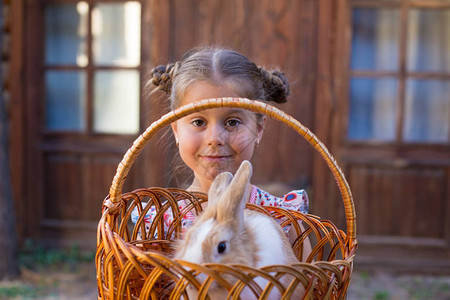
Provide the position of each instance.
(232, 123)
(198, 123)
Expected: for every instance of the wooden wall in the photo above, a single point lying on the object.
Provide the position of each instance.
(59, 183)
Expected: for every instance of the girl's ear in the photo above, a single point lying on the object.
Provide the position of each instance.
(175, 132)
(260, 126)
(174, 129)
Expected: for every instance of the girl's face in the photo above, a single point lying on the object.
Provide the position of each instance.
(215, 140)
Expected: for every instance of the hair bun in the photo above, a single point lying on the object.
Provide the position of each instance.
(162, 77)
(275, 85)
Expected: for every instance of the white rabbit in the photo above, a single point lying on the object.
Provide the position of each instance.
(226, 233)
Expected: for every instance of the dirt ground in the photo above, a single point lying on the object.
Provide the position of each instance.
(384, 285)
(66, 283)
(79, 283)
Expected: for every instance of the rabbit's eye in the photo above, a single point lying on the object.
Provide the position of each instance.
(221, 247)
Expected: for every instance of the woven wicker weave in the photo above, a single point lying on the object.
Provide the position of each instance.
(133, 262)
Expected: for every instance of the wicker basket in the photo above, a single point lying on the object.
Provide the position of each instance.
(133, 267)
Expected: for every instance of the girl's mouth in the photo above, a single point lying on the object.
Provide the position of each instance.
(215, 158)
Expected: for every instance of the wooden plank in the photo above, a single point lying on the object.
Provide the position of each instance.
(33, 81)
(98, 171)
(330, 56)
(152, 165)
(286, 33)
(183, 27)
(63, 189)
(447, 210)
(402, 254)
(75, 186)
(16, 109)
(404, 202)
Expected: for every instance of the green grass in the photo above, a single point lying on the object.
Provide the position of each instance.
(381, 295)
(15, 291)
(40, 259)
(421, 289)
(22, 291)
(35, 257)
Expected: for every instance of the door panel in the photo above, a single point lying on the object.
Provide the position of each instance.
(75, 184)
(63, 186)
(83, 106)
(400, 201)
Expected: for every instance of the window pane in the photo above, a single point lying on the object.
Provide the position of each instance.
(429, 40)
(427, 111)
(64, 102)
(375, 40)
(116, 29)
(116, 102)
(65, 34)
(372, 109)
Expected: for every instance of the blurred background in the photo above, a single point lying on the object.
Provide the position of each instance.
(371, 78)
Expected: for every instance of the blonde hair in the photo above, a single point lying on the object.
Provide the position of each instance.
(220, 66)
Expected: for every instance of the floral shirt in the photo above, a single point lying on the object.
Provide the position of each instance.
(294, 200)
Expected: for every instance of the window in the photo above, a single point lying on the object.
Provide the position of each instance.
(92, 61)
(400, 72)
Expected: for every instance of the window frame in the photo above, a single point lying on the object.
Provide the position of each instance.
(401, 74)
(90, 69)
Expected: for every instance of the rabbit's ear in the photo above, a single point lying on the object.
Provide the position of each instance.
(231, 208)
(218, 187)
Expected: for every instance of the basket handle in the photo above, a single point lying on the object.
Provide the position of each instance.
(130, 156)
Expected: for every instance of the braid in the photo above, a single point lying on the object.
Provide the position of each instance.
(275, 85)
(162, 76)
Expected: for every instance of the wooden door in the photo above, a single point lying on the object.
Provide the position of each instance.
(83, 71)
(389, 126)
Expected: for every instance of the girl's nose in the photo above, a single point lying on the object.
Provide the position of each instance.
(216, 135)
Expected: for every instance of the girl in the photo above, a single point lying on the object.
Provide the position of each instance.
(219, 139)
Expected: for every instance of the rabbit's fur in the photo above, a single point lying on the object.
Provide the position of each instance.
(226, 233)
